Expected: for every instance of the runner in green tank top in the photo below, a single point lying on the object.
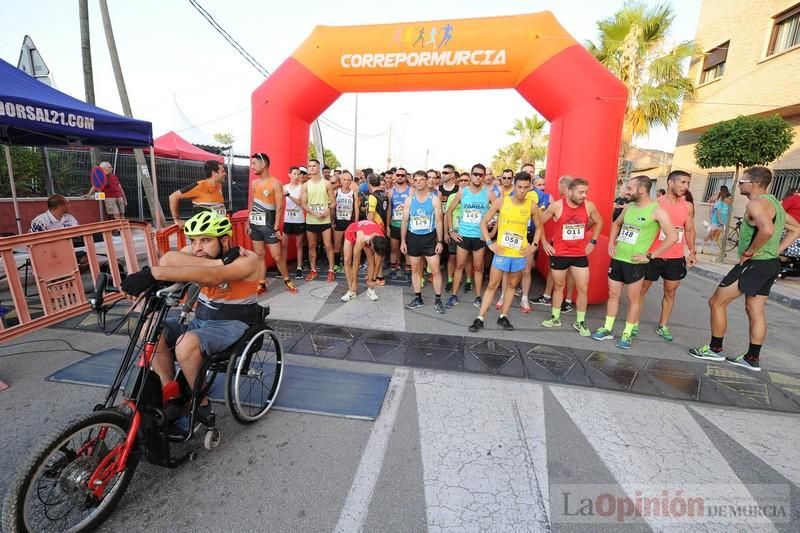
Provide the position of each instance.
(631, 236)
(761, 240)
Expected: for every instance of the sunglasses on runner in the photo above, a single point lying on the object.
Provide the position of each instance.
(401, 175)
(506, 177)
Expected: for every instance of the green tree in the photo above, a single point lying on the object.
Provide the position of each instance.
(530, 144)
(330, 158)
(225, 139)
(632, 44)
(743, 142)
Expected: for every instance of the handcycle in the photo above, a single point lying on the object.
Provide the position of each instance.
(74, 480)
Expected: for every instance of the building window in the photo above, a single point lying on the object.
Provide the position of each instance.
(785, 31)
(714, 63)
(715, 181)
(783, 180)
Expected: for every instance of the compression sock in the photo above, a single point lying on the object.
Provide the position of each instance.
(580, 316)
(716, 344)
(609, 325)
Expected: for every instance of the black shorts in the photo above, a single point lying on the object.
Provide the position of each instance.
(627, 273)
(563, 263)
(670, 269)
(755, 276)
(317, 228)
(294, 228)
(419, 245)
(394, 232)
(472, 244)
(341, 225)
(263, 234)
(452, 247)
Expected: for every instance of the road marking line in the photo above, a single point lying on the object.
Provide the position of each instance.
(484, 453)
(356, 506)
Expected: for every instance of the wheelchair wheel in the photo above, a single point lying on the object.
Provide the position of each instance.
(254, 376)
(52, 492)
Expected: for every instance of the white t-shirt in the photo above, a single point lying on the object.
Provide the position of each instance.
(47, 221)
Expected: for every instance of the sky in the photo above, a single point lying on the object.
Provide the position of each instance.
(170, 53)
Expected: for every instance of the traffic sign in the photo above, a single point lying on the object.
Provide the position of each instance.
(98, 178)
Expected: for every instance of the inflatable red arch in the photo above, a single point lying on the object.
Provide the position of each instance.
(584, 102)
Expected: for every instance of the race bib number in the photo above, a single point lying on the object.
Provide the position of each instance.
(663, 236)
(628, 234)
(572, 232)
(293, 213)
(512, 240)
(343, 213)
(397, 213)
(219, 209)
(420, 222)
(259, 219)
(317, 209)
(471, 216)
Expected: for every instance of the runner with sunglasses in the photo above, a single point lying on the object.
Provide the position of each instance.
(397, 199)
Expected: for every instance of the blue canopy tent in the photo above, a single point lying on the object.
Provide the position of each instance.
(34, 114)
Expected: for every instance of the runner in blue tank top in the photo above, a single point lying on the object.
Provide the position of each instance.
(397, 199)
(421, 234)
(475, 201)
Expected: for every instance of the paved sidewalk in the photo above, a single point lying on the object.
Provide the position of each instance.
(786, 291)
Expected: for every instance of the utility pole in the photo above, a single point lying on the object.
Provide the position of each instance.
(389, 150)
(355, 136)
(141, 163)
(88, 76)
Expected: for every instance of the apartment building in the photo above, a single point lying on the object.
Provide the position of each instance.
(751, 66)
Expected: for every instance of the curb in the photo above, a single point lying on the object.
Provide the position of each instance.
(776, 296)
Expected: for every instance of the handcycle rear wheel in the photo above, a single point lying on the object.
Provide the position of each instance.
(254, 376)
(52, 492)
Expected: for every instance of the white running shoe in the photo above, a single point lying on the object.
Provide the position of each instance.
(349, 295)
(371, 294)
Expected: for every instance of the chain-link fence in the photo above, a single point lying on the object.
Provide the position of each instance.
(70, 169)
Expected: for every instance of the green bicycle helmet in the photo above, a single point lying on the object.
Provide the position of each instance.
(208, 223)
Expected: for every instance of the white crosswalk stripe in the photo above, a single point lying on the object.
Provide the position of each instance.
(483, 453)
(769, 437)
(650, 446)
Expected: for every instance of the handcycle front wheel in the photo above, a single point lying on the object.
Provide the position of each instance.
(254, 376)
(52, 492)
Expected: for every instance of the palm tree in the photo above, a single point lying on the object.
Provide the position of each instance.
(632, 45)
(531, 140)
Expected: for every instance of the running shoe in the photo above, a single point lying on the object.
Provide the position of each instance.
(518, 292)
(476, 326)
(552, 322)
(438, 307)
(290, 286)
(349, 295)
(371, 294)
(393, 274)
(416, 303)
(298, 274)
(362, 268)
(705, 352)
(338, 269)
(525, 305)
(566, 307)
(448, 286)
(582, 330)
(603, 334)
(452, 301)
(541, 300)
(379, 282)
(504, 323)
(331, 276)
(468, 287)
(635, 330)
(312, 275)
(664, 333)
(478, 302)
(624, 342)
(743, 361)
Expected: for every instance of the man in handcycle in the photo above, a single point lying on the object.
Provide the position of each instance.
(227, 303)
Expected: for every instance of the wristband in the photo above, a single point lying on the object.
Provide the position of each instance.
(489, 242)
(593, 241)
